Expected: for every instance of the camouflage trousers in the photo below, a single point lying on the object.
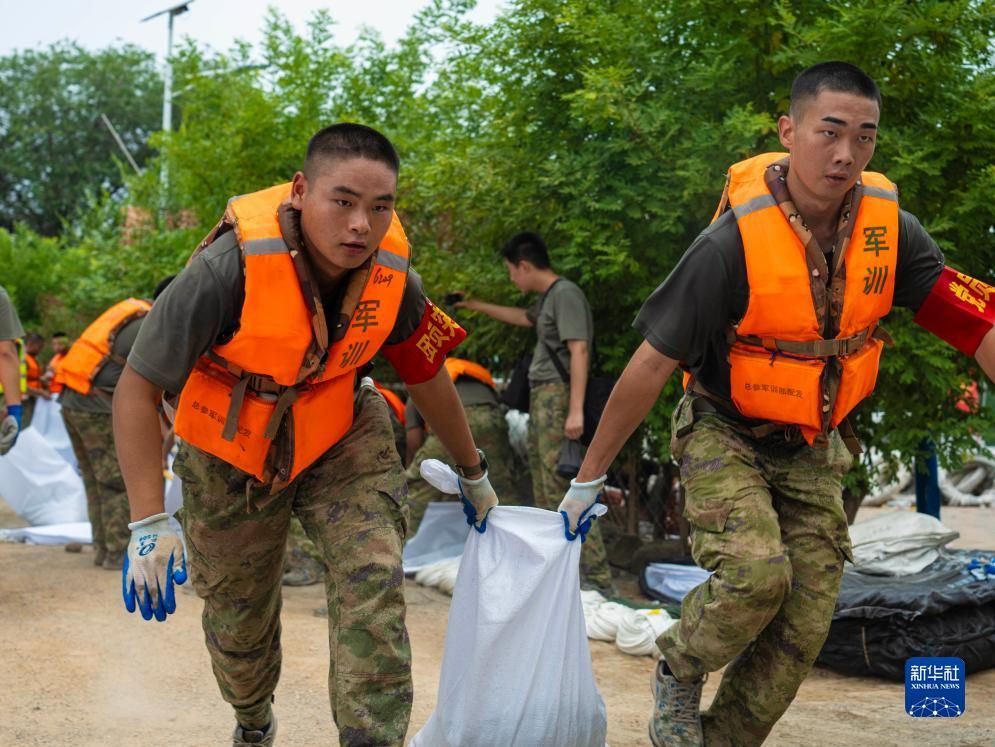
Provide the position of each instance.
(490, 433)
(548, 405)
(92, 439)
(767, 518)
(351, 504)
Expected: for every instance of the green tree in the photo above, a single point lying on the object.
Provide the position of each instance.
(54, 149)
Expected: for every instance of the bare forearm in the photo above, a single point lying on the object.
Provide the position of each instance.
(10, 372)
(631, 400)
(985, 354)
(413, 439)
(507, 314)
(440, 406)
(138, 441)
(579, 358)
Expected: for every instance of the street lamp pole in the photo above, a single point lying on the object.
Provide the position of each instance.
(167, 95)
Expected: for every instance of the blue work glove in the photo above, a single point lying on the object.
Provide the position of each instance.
(155, 559)
(578, 507)
(10, 427)
(478, 498)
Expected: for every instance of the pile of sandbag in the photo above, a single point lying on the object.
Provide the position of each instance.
(633, 631)
(973, 484)
(898, 543)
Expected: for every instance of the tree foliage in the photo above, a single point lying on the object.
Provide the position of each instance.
(606, 126)
(54, 148)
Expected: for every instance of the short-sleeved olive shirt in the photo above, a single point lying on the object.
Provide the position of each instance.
(687, 316)
(203, 305)
(10, 324)
(562, 314)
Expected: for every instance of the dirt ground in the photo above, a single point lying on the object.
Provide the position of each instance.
(76, 669)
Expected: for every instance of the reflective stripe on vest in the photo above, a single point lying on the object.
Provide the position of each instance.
(461, 367)
(90, 353)
(766, 381)
(267, 378)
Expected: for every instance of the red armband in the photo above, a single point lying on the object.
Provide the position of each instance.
(959, 310)
(420, 357)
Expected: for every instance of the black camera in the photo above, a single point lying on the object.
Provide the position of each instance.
(452, 298)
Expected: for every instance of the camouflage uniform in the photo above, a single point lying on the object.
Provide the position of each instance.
(351, 503)
(490, 433)
(767, 517)
(548, 405)
(106, 499)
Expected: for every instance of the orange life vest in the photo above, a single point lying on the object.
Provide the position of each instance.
(33, 372)
(56, 384)
(91, 352)
(393, 401)
(782, 368)
(279, 374)
(461, 367)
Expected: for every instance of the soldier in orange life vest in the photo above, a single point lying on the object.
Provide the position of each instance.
(60, 346)
(91, 370)
(773, 313)
(33, 344)
(261, 338)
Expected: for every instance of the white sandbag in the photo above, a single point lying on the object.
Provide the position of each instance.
(518, 433)
(440, 476)
(440, 536)
(639, 629)
(434, 574)
(40, 485)
(47, 419)
(50, 534)
(602, 621)
(516, 671)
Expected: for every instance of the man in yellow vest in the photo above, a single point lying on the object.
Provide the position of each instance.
(773, 314)
(13, 373)
(261, 337)
(91, 370)
(475, 387)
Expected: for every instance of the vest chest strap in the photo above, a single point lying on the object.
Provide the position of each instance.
(814, 348)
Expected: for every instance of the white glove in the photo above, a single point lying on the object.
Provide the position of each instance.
(10, 428)
(155, 559)
(578, 507)
(478, 498)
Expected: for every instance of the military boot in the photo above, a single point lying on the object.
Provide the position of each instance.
(100, 552)
(301, 570)
(254, 737)
(675, 721)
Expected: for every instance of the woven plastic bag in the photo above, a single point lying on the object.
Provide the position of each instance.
(516, 670)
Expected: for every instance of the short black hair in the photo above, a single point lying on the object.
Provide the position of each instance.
(163, 284)
(60, 334)
(33, 337)
(841, 77)
(348, 140)
(526, 246)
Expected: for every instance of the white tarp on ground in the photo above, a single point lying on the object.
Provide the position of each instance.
(673, 580)
(50, 534)
(440, 536)
(516, 670)
(47, 419)
(898, 543)
(41, 486)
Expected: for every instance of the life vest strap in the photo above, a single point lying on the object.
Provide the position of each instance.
(812, 349)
